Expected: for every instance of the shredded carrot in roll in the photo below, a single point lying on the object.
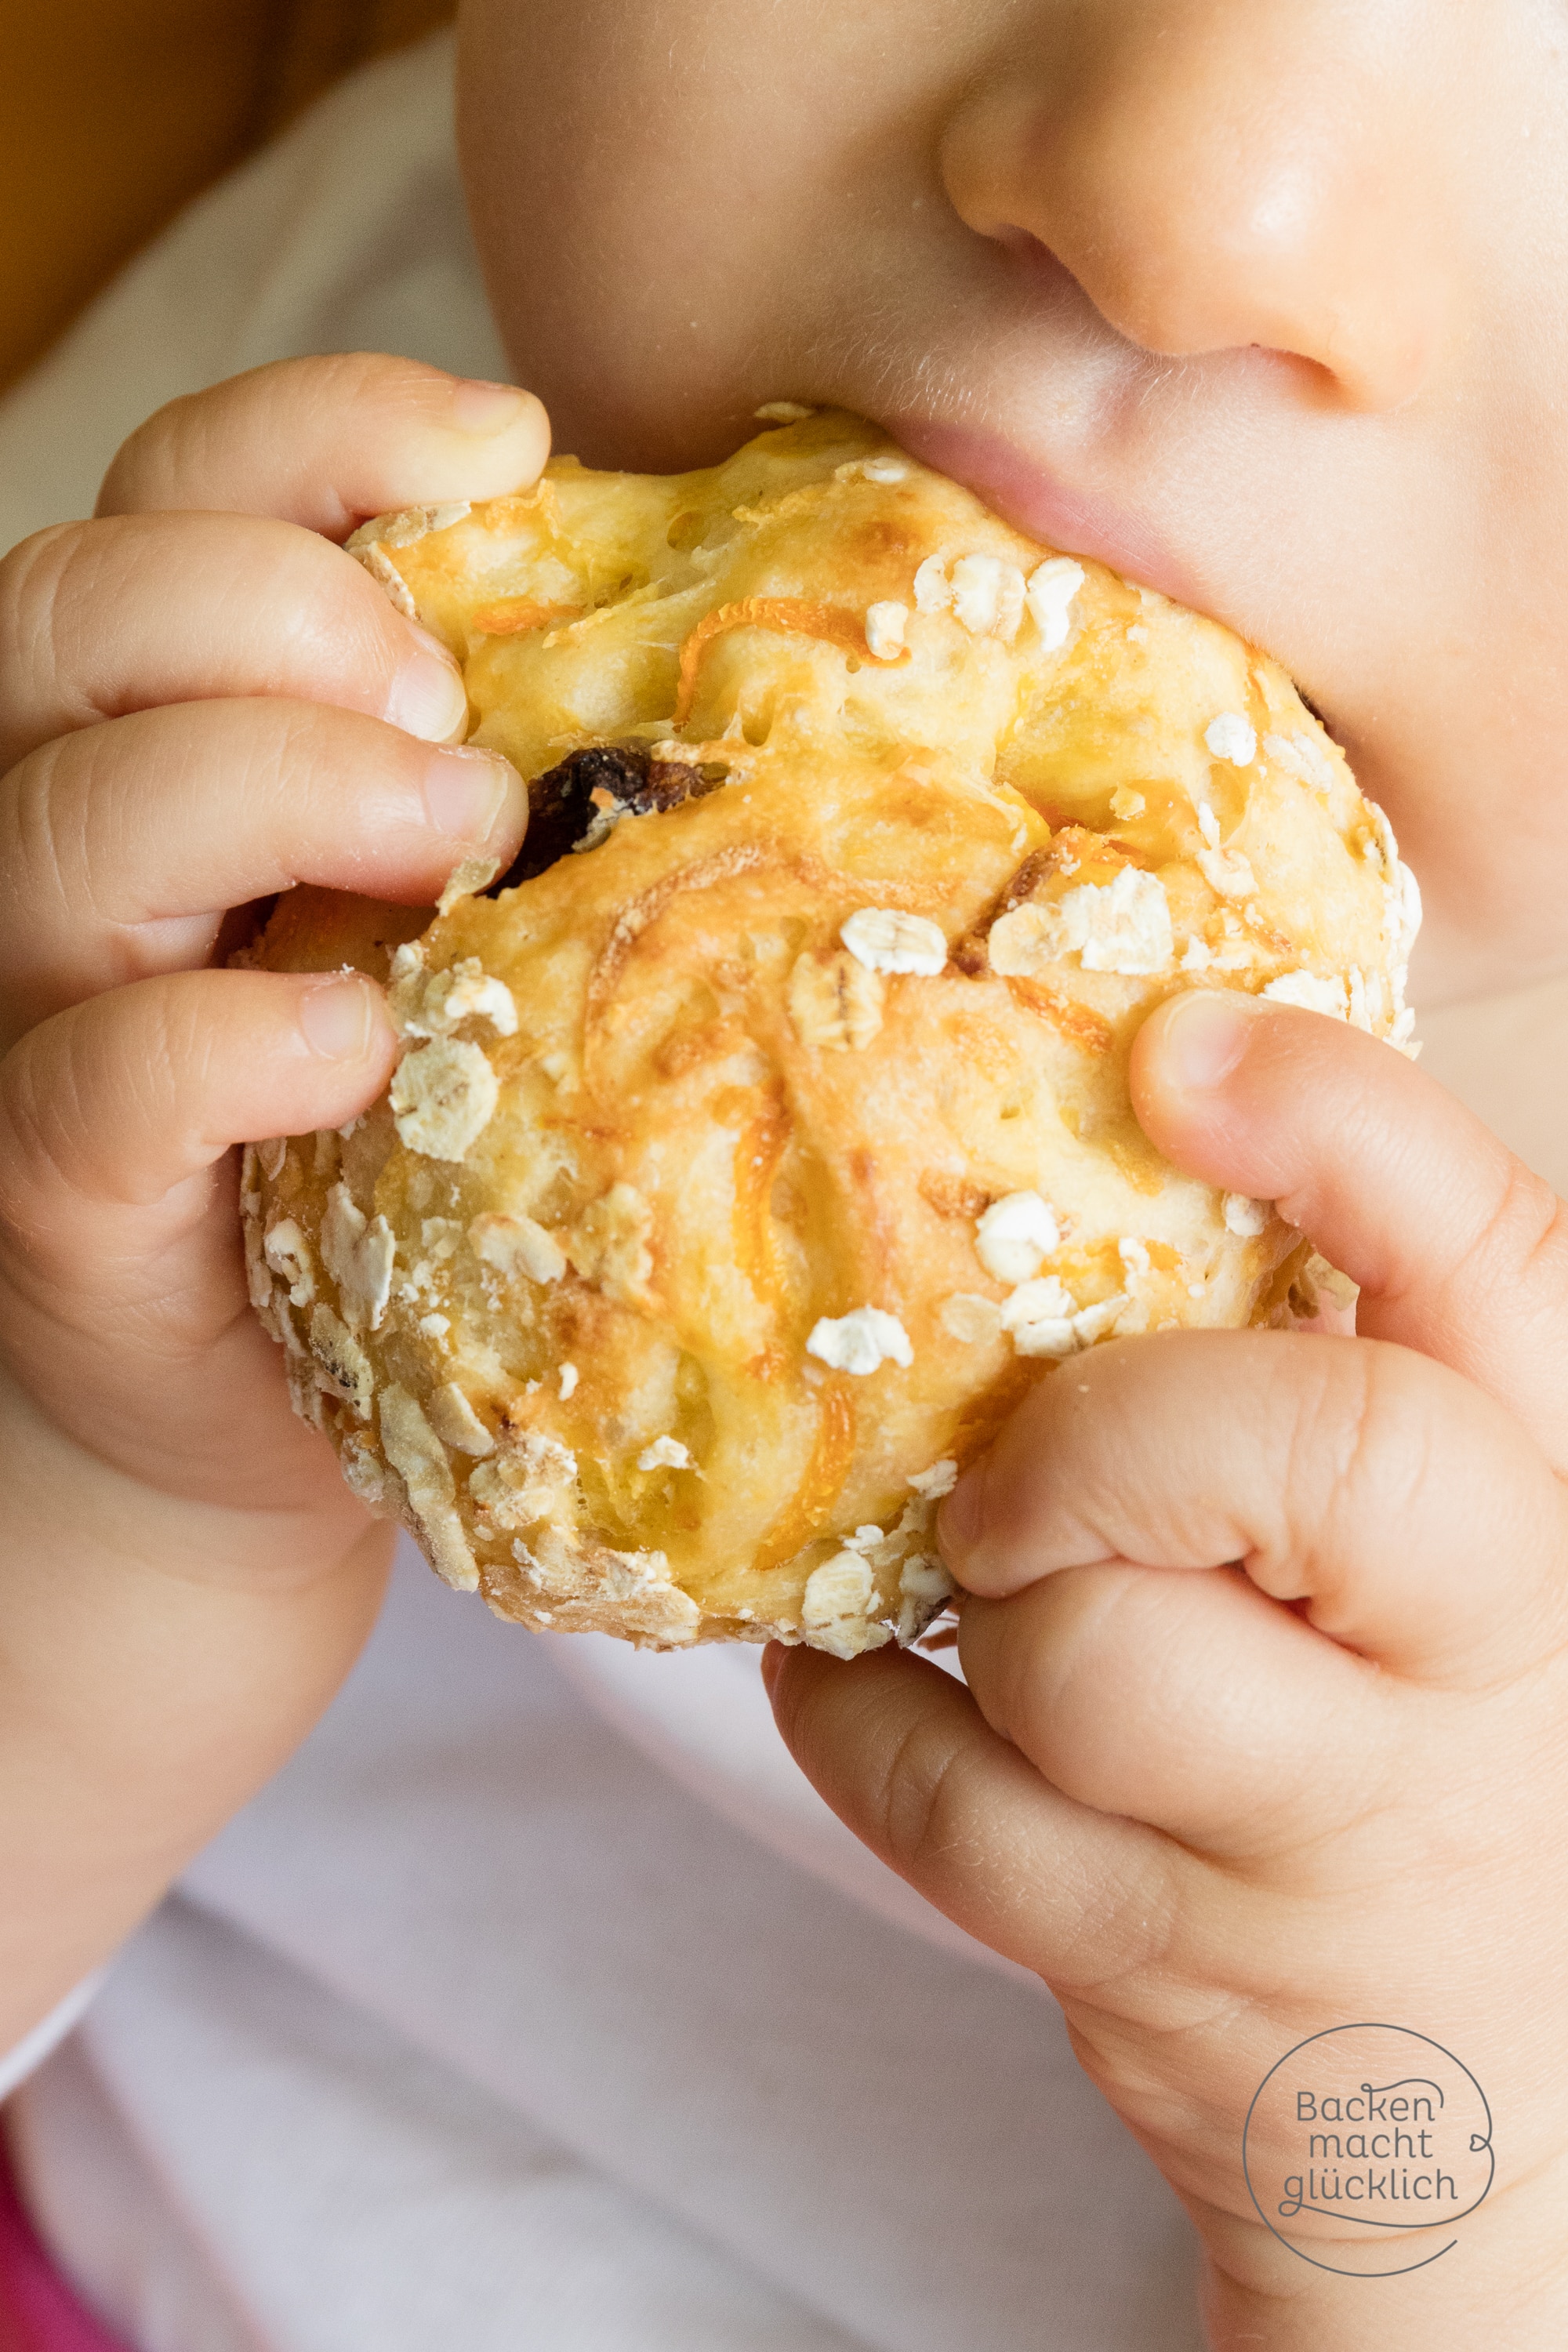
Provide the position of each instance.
(513, 614)
(791, 614)
(757, 1158)
(1080, 1025)
(823, 1481)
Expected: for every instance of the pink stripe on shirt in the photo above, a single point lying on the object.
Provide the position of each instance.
(38, 2313)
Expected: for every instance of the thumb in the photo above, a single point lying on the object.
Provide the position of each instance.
(1460, 1250)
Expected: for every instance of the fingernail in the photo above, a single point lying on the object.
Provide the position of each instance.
(335, 1016)
(772, 1665)
(428, 698)
(1206, 1034)
(962, 1518)
(469, 792)
(487, 409)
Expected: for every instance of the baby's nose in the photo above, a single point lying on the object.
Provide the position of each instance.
(1219, 174)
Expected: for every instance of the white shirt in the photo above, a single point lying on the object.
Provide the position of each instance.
(539, 2002)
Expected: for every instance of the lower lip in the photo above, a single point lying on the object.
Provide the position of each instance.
(1034, 501)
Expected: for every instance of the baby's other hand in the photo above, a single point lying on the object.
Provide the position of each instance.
(203, 701)
(1267, 1714)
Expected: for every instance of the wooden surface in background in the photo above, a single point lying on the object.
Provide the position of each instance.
(113, 113)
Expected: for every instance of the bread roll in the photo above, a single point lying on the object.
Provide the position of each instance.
(764, 1133)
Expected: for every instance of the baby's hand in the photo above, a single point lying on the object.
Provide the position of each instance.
(206, 701)
(203, 700)
(1267, 1706)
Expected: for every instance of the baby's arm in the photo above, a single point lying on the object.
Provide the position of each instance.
(1267, 1645)
(202, 701)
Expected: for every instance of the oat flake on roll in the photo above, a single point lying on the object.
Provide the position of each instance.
(764, 1133)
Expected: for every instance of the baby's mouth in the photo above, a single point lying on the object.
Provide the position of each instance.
(1034, 499)
(1031, 497)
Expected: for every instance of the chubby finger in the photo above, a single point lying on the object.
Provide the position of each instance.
(327, 442)
(1408, 1515)
(1460, 1250)
(121, 845)
(117, 1103)
(1191, 1702)
(101, 619)
(902, 1754)
(121, 1277)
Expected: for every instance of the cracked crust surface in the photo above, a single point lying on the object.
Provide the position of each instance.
(764, 1133)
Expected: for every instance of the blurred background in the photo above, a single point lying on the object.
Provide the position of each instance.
(113, 113)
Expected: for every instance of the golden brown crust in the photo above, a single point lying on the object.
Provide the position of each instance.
(743, 1167)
